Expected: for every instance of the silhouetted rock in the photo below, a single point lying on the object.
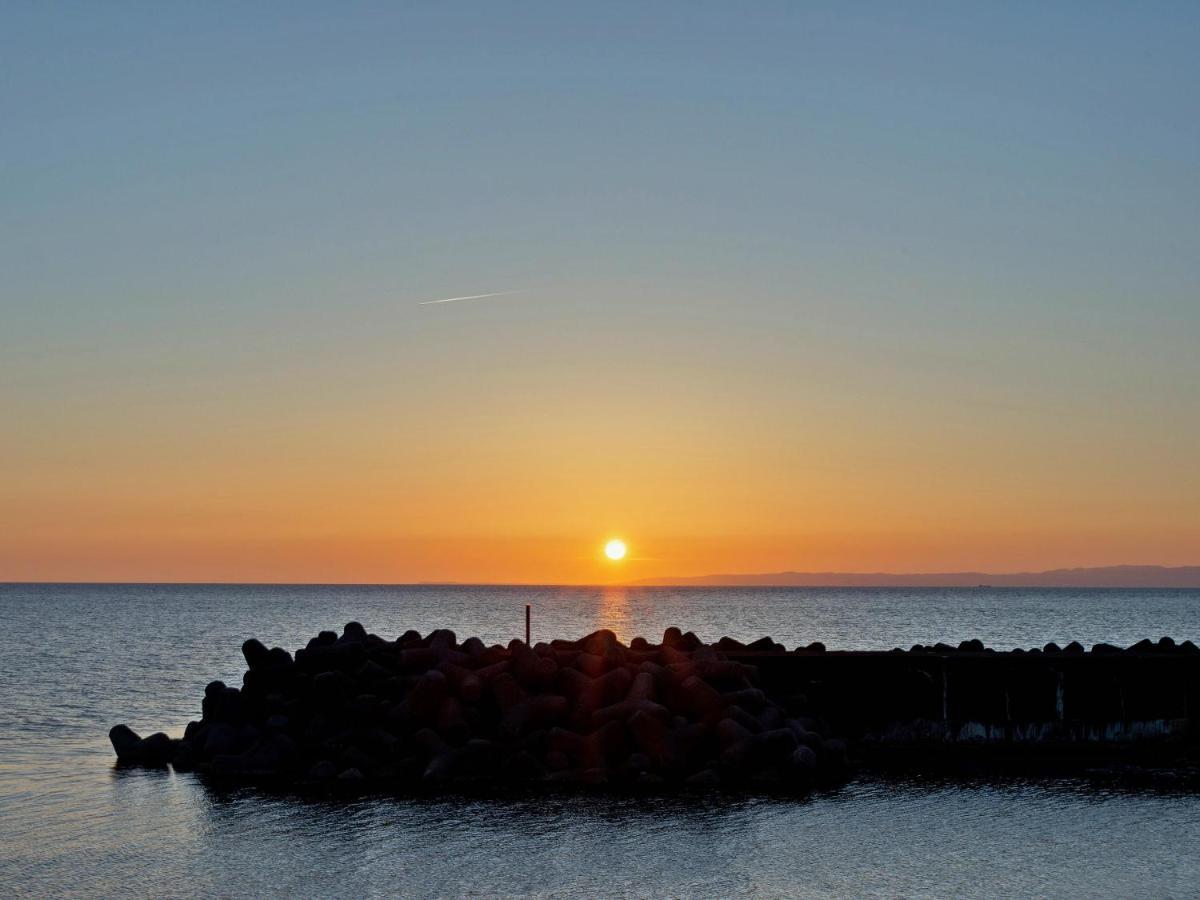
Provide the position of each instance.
(704, 778)
(473, 646)
(220, 738)
(157, 749)
(255, 652)
(323, 771)
(126, 743)
(763, 644)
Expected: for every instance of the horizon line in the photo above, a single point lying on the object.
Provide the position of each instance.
(711, 580)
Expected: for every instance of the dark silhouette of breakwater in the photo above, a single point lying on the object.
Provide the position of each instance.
(357, 709)
(429, 711)
(943, 704)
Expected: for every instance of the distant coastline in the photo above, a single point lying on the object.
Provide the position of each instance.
(1128, 577)
(1100, 577)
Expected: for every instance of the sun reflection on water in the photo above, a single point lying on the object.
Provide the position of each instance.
(613, 613)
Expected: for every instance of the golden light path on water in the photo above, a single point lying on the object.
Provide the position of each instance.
(614, 612)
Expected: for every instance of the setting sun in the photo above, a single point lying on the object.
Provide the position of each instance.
(615, 549)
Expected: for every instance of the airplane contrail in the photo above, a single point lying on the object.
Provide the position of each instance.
(471, 297)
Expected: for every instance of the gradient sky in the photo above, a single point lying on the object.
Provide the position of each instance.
(803, 286)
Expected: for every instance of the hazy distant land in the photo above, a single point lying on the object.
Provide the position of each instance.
(1106, 576)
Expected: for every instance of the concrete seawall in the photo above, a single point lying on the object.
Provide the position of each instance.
(894, 704)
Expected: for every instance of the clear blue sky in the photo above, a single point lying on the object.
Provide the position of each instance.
(894, 227)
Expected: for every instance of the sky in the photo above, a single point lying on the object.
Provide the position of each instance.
(830, 286)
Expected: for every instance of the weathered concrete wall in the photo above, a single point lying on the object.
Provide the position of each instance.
(1039, 702)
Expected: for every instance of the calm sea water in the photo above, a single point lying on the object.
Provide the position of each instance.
(76, 659)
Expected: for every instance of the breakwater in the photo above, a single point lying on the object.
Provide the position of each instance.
(429, 711)
(942, 703)
(357, 709)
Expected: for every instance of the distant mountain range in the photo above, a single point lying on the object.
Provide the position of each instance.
(1106, 576)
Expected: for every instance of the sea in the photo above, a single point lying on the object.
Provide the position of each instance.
(76, 659)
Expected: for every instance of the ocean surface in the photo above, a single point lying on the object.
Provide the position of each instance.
(77, 659)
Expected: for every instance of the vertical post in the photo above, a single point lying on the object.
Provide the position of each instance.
(527, 644)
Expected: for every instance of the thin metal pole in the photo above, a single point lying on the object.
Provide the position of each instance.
(527, 624)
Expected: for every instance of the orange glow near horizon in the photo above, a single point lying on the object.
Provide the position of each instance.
(546, 559)
(335, 492)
